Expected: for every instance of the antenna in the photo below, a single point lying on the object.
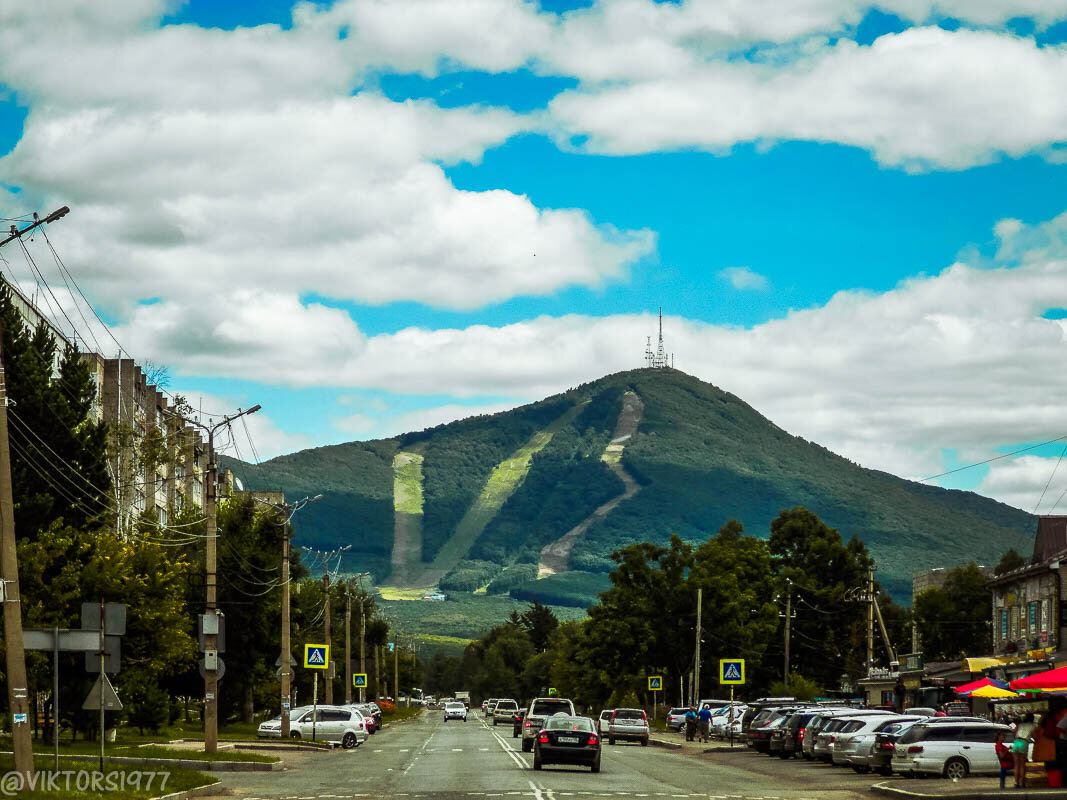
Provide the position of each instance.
(658, 358)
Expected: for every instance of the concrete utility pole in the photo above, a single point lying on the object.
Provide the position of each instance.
(363, 643)
(696, 667)
(378, 669)
(396, 668)
(870, 619)
(211, 679)
(326, 633)
(285, 667)
(348, 644)
(17, 694)
(788, 619)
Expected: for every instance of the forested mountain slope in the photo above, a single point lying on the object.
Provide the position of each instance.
(702, 456)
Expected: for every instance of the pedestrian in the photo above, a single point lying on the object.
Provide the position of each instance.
(1020, 746)
(899, 693)
(1004, 756)
(691, 723)
(704, 717)
(940, 711)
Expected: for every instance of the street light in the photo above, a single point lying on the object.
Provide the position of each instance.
(211, 681)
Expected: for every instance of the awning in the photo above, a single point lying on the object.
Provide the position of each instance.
(969, 688)
(979, 664)
(1041, 681)
(992, 691)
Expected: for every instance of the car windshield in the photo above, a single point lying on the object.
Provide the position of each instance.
(569, 724)
(547, 708)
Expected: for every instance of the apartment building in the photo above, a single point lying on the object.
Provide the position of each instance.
(157, 462)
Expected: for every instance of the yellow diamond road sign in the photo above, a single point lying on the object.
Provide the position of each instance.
(732, 670)
(655, 683)
(316, 656)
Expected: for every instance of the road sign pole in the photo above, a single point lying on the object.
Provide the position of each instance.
(55, 696)
(103, 677)
(315, 706)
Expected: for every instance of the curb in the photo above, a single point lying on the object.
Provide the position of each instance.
(183, 763)
(199, 791)
(1023, 794)
(664, 744)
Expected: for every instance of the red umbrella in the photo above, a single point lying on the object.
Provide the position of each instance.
(967, 688)
(1053, 679)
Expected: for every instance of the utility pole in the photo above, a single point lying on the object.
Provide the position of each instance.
(285, 667)
(211, 640)
(696, 667)
(378, 670)
(789, 614)
(348, 644)
(870, 618)
(17, 694)
(328, 680)
(363, 644)
(396, 668)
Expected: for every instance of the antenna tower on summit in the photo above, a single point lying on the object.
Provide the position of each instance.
(658, 359)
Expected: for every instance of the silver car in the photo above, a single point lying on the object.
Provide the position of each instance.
(272, 728)
(858, 749)
(826, 740)
(628, 724)
(341, 725)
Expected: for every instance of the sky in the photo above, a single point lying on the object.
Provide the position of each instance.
(373, 216)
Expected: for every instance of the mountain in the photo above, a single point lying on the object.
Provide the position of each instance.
(532, 501)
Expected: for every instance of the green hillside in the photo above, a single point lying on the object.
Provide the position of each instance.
(701, 455)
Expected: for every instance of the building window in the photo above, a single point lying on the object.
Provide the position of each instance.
(162, 516)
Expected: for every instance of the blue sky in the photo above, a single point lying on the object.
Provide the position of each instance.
(374, 220)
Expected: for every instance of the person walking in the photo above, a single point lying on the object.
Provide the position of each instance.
(691, 723)
(1004, 756)
(704, 717)
(1020, 746)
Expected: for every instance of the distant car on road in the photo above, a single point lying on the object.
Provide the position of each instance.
(628, 724)
(567, 740)
(540, 709)
(455, 711)
(504, 711)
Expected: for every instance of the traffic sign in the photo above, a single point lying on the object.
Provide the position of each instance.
(655, 683)
(111, 700)
(359, 680)
(316, 656)
(552, 692)
(731, 670)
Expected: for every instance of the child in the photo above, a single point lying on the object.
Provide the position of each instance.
(1004, 756)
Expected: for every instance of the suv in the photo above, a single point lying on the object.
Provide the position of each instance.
(455, 710)
(490, 706)
(628, 724)
(676, 719)
(504, 711)
(540, 709)
(820, 721)
(950, 746)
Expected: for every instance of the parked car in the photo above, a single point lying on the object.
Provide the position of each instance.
(764, 704)
(953, 747)
(371, 714)
(516, 720)
(759, 735)
(504, 711)
(628, 724)
(726, 721)
(793, 731)
(817, 723)
(540, 709)
(455, 711)
(782, 733)
(826, 740)
(676, 719)
(852, 744)
(604, 721)
(880, 757)
(567, 740)
(272, 728)
(341, 725)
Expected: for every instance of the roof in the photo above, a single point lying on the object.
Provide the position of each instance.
(1051, 537)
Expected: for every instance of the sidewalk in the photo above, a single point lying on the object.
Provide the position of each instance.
(967, 789)
(676, 741)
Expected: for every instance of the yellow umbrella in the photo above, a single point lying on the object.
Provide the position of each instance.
(992, 691)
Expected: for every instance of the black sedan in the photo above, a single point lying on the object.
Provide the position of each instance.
(517, 719)
(567, 740)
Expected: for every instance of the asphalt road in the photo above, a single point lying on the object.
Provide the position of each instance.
(428, 758)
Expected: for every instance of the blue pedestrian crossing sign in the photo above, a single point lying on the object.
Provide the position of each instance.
(359, 680)
(655, 683)
(732, 670)
(316, 656)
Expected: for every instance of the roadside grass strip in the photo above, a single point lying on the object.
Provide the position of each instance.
(503, 481)
(88, 782)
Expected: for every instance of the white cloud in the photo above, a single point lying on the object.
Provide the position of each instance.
(251, 435)
(1032, 483)
(743, 278)
(924, 97)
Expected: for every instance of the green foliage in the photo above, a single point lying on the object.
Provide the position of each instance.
(146, 705)
(577, 589)
(469, 575)
(512, 577)
(567, 481)
(1011, 560)
(799, 687)
(953, 621)
(539, 623)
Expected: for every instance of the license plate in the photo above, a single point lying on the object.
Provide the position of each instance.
(568, 739)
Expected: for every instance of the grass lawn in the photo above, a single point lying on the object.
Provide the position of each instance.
(129, 781)
(157, 749)
(400, 714)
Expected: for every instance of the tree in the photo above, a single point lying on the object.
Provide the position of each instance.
(539, 623)
(954, 621)
(1011, 560)
(828, 632)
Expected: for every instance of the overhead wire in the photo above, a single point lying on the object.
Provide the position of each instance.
(1048, 483)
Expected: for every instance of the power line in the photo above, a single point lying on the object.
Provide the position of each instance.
(994, 458)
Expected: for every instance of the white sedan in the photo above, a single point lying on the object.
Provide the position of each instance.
(455, 711)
